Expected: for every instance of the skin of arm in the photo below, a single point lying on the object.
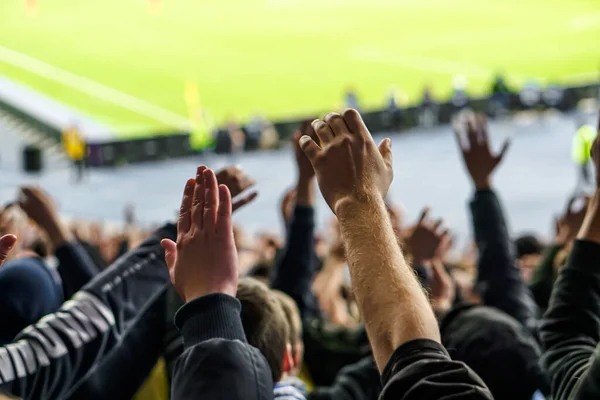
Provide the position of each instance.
(384, 284)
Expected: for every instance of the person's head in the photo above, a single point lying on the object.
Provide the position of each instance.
(265, 325)
(529, 252)
(292, 314)
(498, 348)
(28, 291)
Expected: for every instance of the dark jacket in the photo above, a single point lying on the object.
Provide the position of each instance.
(542, 280)
(217, 362)
(571, 327)
(75, 266)
(421, 369)
(498, 277)
(327, 350)
(103, 342)
(358, 381)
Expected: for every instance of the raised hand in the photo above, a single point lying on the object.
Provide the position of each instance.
(568, 224)
(204, 260)
(426, 239)
(442, 289)
(478, 157)
(7, 242)
(41, 209)
(348, 165)
(237, 181)
(287, 204)
(305, 169)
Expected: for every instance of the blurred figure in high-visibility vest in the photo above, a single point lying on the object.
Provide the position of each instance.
(580, 151)
(75, 147)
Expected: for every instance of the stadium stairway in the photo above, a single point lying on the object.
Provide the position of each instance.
(15, 134)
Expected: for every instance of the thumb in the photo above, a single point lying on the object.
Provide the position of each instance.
(7, 242)
(385, 149)
(504, 149)
(309, 147)
(170, 252)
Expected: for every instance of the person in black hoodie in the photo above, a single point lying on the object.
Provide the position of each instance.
(571, 327)
(497, 339)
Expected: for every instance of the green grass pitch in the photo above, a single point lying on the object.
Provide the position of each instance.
(286, 57)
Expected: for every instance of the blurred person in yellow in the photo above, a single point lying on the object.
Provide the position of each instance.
(75, 147)
(201, 135)
(580, 152)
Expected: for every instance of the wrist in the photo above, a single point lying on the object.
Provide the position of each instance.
(482, 183)
(57, 234)
(350, 206)
(305, 191)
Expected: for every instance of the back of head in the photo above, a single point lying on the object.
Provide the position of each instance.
(292, 315)
(28, 291)
(498, 348)
(264, 322)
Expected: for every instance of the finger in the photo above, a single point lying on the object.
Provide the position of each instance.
(7, 242)
(211, 199)
(423, 215)
(184, 223)
(437, 224)
(504, 149)
(323, 131)
(337, 124)
(472, 133)
(198, 202)
(459, 138)
(244, 200)
(482, 132)
(224, 221)
(310, 148)
(170, 252)
(385, 149)
(308, 130)
(356, 124)
(570, 204)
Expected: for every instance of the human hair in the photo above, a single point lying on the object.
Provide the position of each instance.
(264, 323)
(292, 315)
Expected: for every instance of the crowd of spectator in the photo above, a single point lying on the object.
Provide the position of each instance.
(375, 308)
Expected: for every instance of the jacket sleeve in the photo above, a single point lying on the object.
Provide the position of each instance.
(217, 362)
(543, 277)
(294, 269)
(571, 328)
(100, 343)
(356, 381)
(422, 369)
(75, 267)
(499, 278)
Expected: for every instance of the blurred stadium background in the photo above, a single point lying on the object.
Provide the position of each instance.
(142, 69)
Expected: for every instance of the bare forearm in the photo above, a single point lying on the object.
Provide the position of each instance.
(383, 282)
(305, 191)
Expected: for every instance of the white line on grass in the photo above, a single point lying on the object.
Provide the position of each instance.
(93, 88)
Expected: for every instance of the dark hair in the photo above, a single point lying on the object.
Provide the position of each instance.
(498, 348)
(264, 322)
(528, 244)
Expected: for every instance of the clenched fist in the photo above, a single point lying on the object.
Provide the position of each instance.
(349, 166)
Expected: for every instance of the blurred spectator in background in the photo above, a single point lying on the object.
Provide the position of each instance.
(428, 109)
(238, 139)
(500, 98)
(392, 117)
(261, 134)
(460, 98)
(75, 148)
(351, 99)
(530, 95)
(203, 130)
(581, 147)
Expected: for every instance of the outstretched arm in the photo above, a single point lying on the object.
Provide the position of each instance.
(571, 327)
(498, 278)
(354, 176)
(294, 269)
(216, 352)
